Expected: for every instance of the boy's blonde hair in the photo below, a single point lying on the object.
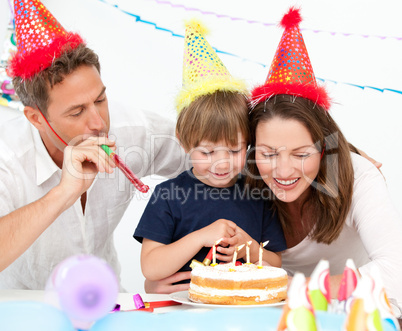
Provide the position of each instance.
(215, 117)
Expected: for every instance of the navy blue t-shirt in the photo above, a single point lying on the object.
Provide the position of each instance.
(184, 204)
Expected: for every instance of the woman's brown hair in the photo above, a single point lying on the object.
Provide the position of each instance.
(332, 189)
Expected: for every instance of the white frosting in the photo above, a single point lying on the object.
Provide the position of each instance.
(261, 295)
(241, 273)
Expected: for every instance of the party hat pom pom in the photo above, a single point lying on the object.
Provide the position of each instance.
(291, 18)
(198, 26)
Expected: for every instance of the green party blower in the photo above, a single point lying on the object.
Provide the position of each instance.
(139, 185)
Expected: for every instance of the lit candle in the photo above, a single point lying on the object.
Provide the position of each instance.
(235, 253)
(248, 251)
(262, 245)
(214, 252)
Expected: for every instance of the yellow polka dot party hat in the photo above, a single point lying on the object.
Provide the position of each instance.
(203, 71)
(40, 39)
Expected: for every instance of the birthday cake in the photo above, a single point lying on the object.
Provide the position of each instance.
(246, 284)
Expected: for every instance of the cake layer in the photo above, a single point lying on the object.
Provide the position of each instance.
(232, 299)
(247, 284)
(225, 284)
(244, 272)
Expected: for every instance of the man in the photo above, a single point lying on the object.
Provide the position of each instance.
(60, 193)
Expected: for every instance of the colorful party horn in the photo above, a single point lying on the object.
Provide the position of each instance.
(298, 314)
(363, 314)
(348, 284)
(318, 286)
(382, 302)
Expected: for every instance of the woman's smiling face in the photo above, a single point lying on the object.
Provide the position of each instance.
(286, 157)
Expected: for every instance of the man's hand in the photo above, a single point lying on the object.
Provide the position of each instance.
(82, 163)
(165, 286)
(376, 163)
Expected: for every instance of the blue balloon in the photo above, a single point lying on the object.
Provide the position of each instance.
(197, 320)
(128, 321)
(219, 319)
(32, 316)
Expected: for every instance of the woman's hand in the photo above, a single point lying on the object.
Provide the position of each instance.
(165, 286)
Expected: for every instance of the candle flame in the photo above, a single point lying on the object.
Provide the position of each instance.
(265, 243)
(218, 241)
(239, 247)
(249, 242)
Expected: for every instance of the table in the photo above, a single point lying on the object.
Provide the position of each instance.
(177, 317)
(124, 299)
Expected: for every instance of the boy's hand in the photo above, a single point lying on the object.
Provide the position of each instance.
(225, 250)
(221, 228)
(242, 238)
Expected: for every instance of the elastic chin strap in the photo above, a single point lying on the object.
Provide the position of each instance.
(51, 126)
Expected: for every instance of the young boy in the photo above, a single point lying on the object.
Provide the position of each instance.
(187, 215)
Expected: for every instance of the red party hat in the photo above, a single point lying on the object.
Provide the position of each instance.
(291, 71)
(40, 39)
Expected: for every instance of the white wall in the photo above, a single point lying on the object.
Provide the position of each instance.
(142, 67)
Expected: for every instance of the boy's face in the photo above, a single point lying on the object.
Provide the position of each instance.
(78, 107)
(217, 164)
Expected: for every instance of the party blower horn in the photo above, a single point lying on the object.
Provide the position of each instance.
(382, 302)
(318, 286)
(84, 287)
(298, 313)
(350, 278)
(364, 313)
(139, 185)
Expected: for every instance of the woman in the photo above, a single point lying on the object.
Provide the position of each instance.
(332, 204)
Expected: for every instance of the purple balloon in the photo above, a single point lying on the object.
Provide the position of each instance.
(86, 287)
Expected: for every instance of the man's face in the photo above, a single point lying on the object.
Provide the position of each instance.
(78, 108)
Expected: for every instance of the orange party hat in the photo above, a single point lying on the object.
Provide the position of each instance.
(40, 39)
(291, 71)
